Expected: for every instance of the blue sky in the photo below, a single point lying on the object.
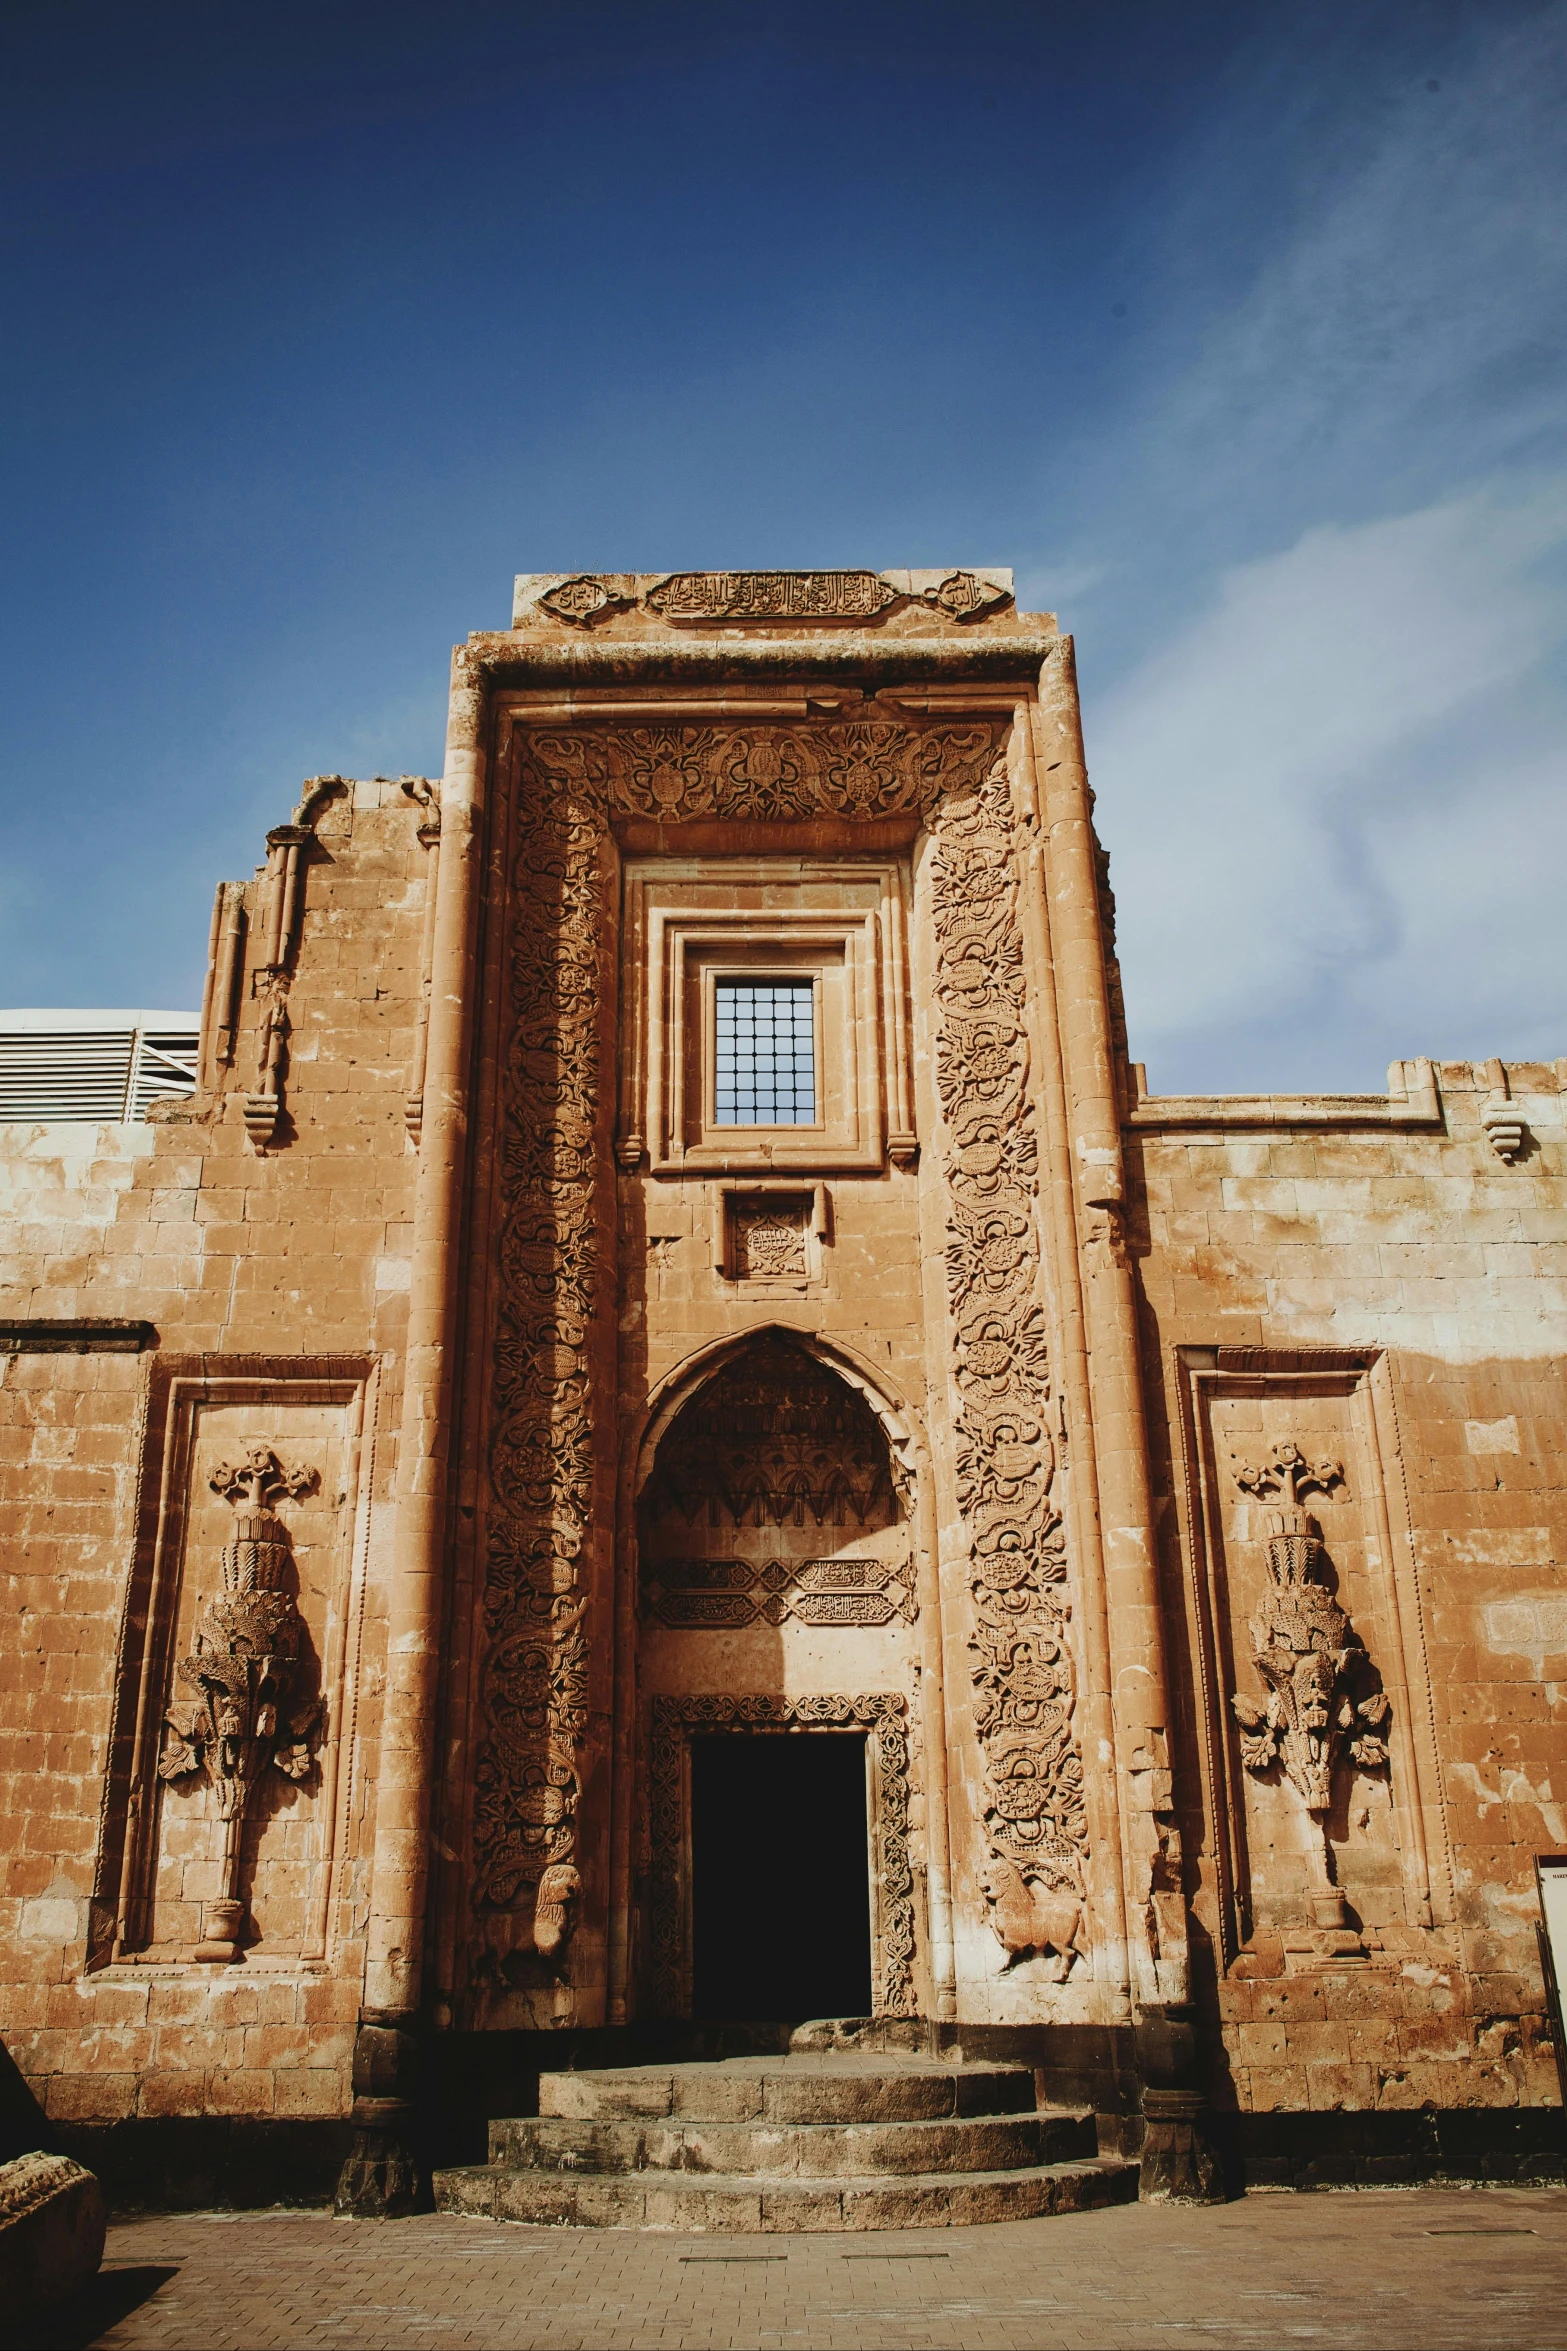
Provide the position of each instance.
(1237, 330)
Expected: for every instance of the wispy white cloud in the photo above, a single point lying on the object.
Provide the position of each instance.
(1324, 674)
(1336, 801)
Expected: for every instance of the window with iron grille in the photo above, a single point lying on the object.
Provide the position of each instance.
(765, 1053)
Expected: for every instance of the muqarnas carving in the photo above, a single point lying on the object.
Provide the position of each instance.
(1035, 1822)
(244, 1666)
(1321, 1699)
(774, 1439)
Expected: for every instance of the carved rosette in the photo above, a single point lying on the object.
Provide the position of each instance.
(1023, 1678)
(881, 1713)
(533, 1688)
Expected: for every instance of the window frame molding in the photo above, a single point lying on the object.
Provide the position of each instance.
(682, 930)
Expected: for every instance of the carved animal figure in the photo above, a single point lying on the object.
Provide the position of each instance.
(558, 1889)
(1027, 1917)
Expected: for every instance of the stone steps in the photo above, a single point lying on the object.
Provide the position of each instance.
(825, 2150)
(726, 2202)
(819, 2088)
(817, 2140)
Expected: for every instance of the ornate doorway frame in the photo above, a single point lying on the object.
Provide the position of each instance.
(882, 1715)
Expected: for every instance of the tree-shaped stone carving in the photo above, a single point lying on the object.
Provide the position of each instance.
(243, 1666)
(1315, 1668)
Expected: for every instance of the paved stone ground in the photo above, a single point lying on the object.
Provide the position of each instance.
(1423, 2268)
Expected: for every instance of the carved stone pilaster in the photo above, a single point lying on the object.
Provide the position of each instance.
(1035, 1822)
(278, 930)
(382, 2177)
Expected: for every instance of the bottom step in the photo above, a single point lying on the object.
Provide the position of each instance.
(734, 2205)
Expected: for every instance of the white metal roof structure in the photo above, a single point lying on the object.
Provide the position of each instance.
(94, 1065)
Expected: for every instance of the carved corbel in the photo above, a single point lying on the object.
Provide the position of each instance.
(426, 797)
(1501, 1118)
(244, 1716)
(1322, 1702)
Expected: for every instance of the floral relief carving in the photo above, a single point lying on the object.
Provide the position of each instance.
(1035, 1824)
(675, 1721)
(678, 774)
(243, 1666)
(1323, 1699)
(534, 1686)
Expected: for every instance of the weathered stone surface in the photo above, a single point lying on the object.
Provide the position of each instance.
(977, 2144)
(763, 1424)
(52, 2224)
(748, 2206)
(791, 2090)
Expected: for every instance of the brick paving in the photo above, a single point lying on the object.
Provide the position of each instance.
(1426, 2268)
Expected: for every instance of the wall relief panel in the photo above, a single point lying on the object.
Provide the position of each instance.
(229, 1788)
(1314, 1755)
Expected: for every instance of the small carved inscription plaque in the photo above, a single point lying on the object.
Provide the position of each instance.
(772, 595)
(769, 1237)
(582, 601)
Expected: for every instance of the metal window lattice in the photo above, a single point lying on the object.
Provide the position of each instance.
(765, 1041)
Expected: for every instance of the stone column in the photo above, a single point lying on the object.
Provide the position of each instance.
(1150, 1840)
(380, 2175)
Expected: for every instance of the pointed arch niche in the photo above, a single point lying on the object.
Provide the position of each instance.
(772, 1498)
(779, 1580)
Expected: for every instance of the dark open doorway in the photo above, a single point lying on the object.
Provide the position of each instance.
(780, 1876)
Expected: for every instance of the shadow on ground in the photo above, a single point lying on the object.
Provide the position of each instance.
(114, 2293)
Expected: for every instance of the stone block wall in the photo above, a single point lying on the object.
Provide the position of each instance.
(274, 1286)
(1393, 1299)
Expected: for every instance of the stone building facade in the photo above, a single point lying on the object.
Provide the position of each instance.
(670, 1281)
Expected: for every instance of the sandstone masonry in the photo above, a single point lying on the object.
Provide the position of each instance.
(668, 1248)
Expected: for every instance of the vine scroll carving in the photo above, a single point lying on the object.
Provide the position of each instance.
(1023, 1677)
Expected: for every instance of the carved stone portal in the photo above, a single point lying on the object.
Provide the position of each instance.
(544, 1409)
(1307, 1653)
(676, 1721)
(243, 1667)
